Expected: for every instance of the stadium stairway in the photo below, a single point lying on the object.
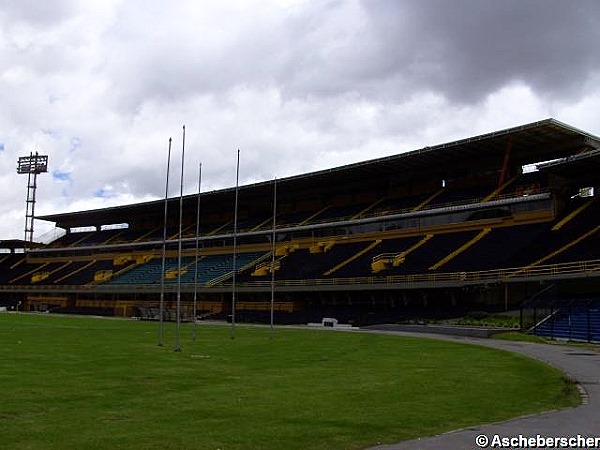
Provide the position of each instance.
(46, 275)
(573, 214)
(265, 223)
(385, 260)
(312, 260)
(353, 257)
(496, 250)
(369, 208)
(429, 251)
(494, 194)
(460, 249)
(71, 275)
(560, 250)
(312, 217)
(428, 200)
(219, 228)
(155, 232)
(569, 233)
(28, 273)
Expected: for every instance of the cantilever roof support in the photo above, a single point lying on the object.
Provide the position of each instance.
(504, 173)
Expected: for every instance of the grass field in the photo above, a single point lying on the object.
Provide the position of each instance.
(75, 383)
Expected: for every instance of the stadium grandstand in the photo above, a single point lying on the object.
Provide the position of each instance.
(501, 221)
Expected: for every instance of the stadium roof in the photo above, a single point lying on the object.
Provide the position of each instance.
(17, 244)
(584, 166)
(545, 140)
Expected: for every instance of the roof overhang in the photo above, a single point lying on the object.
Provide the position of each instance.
(532, 143)
(583, 168)
(18, 244)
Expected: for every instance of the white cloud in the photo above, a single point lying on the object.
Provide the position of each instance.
(100, 87)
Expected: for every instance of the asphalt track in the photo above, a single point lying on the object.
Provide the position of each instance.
(580, 363)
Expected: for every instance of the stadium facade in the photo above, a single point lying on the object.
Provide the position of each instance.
(481, 224)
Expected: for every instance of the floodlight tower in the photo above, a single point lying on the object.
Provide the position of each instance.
(32, 165)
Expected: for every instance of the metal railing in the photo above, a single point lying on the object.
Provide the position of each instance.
(579, 269)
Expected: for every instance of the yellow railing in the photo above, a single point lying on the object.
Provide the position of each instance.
(581, 268)
(474, 277)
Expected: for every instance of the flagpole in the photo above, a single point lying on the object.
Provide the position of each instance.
(197, 247)
(161, 309)
(178, 327)
(273, 258)
(235, 218)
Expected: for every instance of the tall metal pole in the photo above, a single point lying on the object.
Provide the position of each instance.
(28, 214)
(235, 214)
(161, 309)
(197, 247)
(178, 327)
(273, 258)
(31, 165)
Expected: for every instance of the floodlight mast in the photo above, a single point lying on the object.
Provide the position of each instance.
(32, 166)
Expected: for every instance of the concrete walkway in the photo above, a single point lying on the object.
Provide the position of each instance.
(582, 364)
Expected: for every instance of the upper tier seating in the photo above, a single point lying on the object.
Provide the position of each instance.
(11, 266)
(550, 240)
(439, 246)
(496, 250)
(301, 264)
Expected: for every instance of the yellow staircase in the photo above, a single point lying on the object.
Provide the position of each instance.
(216, 230)
(572, 215)
(286, 249)
(383, 261)
(428, 200)
(172, 274)
(70, 274)
(559, 251)
(39, 276)
(460, 249)
(264, 223)
(353, 257)
(265, 268)
(30, 273)
(145, 235)
(321, 247)
(114, 238)
(139, 260)
(310, 218)
(44, 275)
(501, 189)
(103, 276)
(368, 208)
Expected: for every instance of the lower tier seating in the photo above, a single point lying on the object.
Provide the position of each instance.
(576, 320)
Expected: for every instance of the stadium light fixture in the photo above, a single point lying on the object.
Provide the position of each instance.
(32, 166)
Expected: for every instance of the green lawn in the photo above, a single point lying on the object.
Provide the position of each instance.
(519, 336)
(74, 383)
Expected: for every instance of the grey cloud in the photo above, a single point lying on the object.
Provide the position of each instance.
(298, 86)
(170, 57)
(48, 13)
(378, 49)
(469, 48)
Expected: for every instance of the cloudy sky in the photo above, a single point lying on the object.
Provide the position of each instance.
(297, 85)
